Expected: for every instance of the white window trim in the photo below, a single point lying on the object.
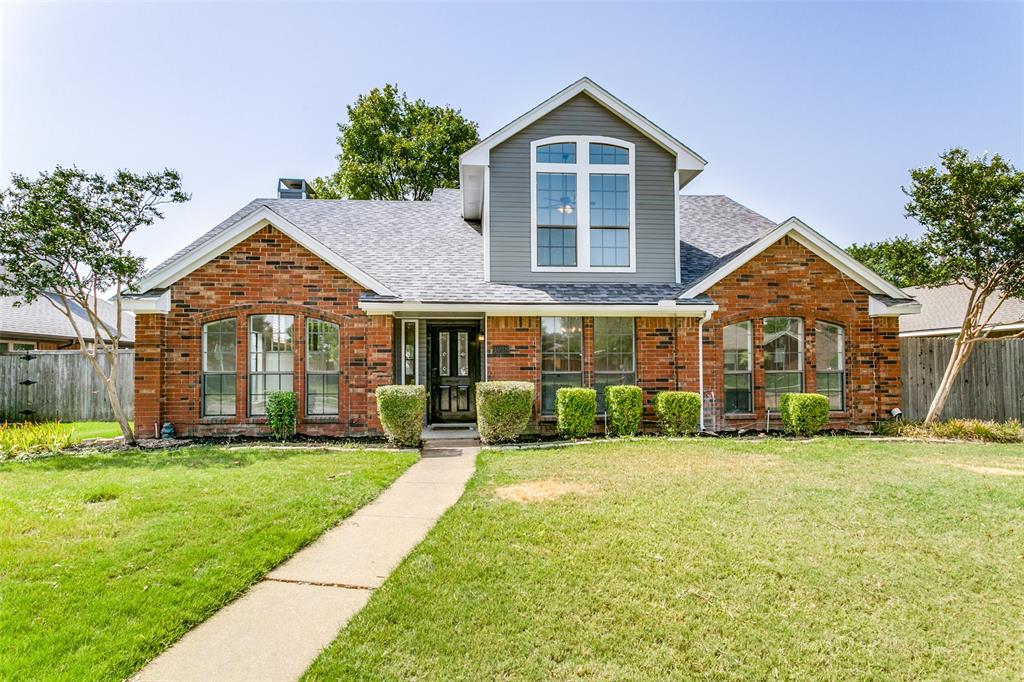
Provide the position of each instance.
(749, 371)
(416, 346)
(582, 170)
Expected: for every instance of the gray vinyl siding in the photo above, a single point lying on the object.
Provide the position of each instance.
(509, 204)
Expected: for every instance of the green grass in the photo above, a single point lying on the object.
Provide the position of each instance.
(107, 559)
(831, 559)
(83, 430)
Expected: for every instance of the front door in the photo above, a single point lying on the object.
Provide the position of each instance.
(454, 370)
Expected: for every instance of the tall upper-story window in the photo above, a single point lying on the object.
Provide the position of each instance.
(583, 205)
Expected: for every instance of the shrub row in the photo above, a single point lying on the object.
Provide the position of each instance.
(504, 409)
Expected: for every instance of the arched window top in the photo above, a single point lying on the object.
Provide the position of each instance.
(603, 154)
(557, 152)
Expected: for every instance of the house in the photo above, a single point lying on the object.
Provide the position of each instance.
(943, 310)
(567, 257)
(40, 326)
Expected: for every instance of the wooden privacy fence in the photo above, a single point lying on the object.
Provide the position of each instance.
(990, 386)
(66, 386)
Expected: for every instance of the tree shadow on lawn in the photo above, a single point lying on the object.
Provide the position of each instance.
(203, 457)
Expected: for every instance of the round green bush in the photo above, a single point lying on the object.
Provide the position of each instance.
(625, 407)
(576, 410)
(503, 409)
(281, 411)
(803, 414)
(401, 410)
(678, 412)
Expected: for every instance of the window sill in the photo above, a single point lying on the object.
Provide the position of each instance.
(223, 419)
(321, 419)
(740, 415)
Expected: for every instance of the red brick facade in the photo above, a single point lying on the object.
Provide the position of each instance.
(269, 273)
(785, 280)
(265, 273)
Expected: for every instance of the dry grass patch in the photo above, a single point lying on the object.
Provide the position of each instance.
(542, 491)
(980, 469)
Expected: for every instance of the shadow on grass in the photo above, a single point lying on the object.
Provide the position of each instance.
(207, 457)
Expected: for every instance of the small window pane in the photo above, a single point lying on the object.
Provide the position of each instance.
(783, 344)
(609, 200)
(829, 340)
(738, 393)
(219, 346)
(556, 246)
(463, 359)
(409, 353)
(323, 346)
(443, 353)
(556, 199)
(777, 383)
(738, 339)
(560, 152)
(608, 153)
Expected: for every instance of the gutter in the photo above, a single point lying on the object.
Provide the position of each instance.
(662, 309)
(700, 363)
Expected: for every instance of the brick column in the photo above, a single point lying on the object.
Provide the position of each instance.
(149, 374)
(379, 367)
(513, 352)
(655, 359)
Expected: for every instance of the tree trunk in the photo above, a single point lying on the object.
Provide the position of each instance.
(957, 359)
(118, 410)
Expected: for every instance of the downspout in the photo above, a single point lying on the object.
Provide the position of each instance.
(700, 363)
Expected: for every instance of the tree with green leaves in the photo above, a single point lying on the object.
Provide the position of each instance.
(63, 240)
(395, 148)
(972, 210)
(902, 260)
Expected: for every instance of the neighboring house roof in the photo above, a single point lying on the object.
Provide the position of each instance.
(425, 251)
(41, 320)
(943, 309)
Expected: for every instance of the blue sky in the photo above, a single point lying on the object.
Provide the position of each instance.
(813, 109)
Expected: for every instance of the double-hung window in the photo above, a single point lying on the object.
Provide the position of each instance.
(218, 385)
(739, 383)
(783, 358)
(323, 351)
(830, 376)
(561, 354)
(583, 205)
(271, 358)
(614, 354)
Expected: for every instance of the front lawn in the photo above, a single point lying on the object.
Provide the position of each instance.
(107, 559)
(836, 558)
(83, 430)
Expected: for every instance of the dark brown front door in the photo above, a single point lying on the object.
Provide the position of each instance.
(454, 370)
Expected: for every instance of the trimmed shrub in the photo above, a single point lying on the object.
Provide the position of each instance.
(281, 410)
(625, 407)
(576, 410)
(401, 410)
(503, 409)
(803, 414)
(678, 412)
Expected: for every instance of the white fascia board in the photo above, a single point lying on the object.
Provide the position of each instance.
(662, 309)
(817, 244)
(159, 305)
(953, 331)
(246, 227)
(686, 158)
(877, 308)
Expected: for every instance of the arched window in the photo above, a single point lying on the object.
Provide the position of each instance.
(830, 376)
(738, 343)
(218, 382)
(783, 358)
(583, 205)
(323, 362)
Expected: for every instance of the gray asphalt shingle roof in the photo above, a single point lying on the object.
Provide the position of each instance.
(425, 251)
(41, 319)
(944, 308)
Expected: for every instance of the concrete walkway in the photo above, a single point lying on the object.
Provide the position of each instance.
(276, 629)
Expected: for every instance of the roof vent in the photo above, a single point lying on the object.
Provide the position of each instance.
(294, 188)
